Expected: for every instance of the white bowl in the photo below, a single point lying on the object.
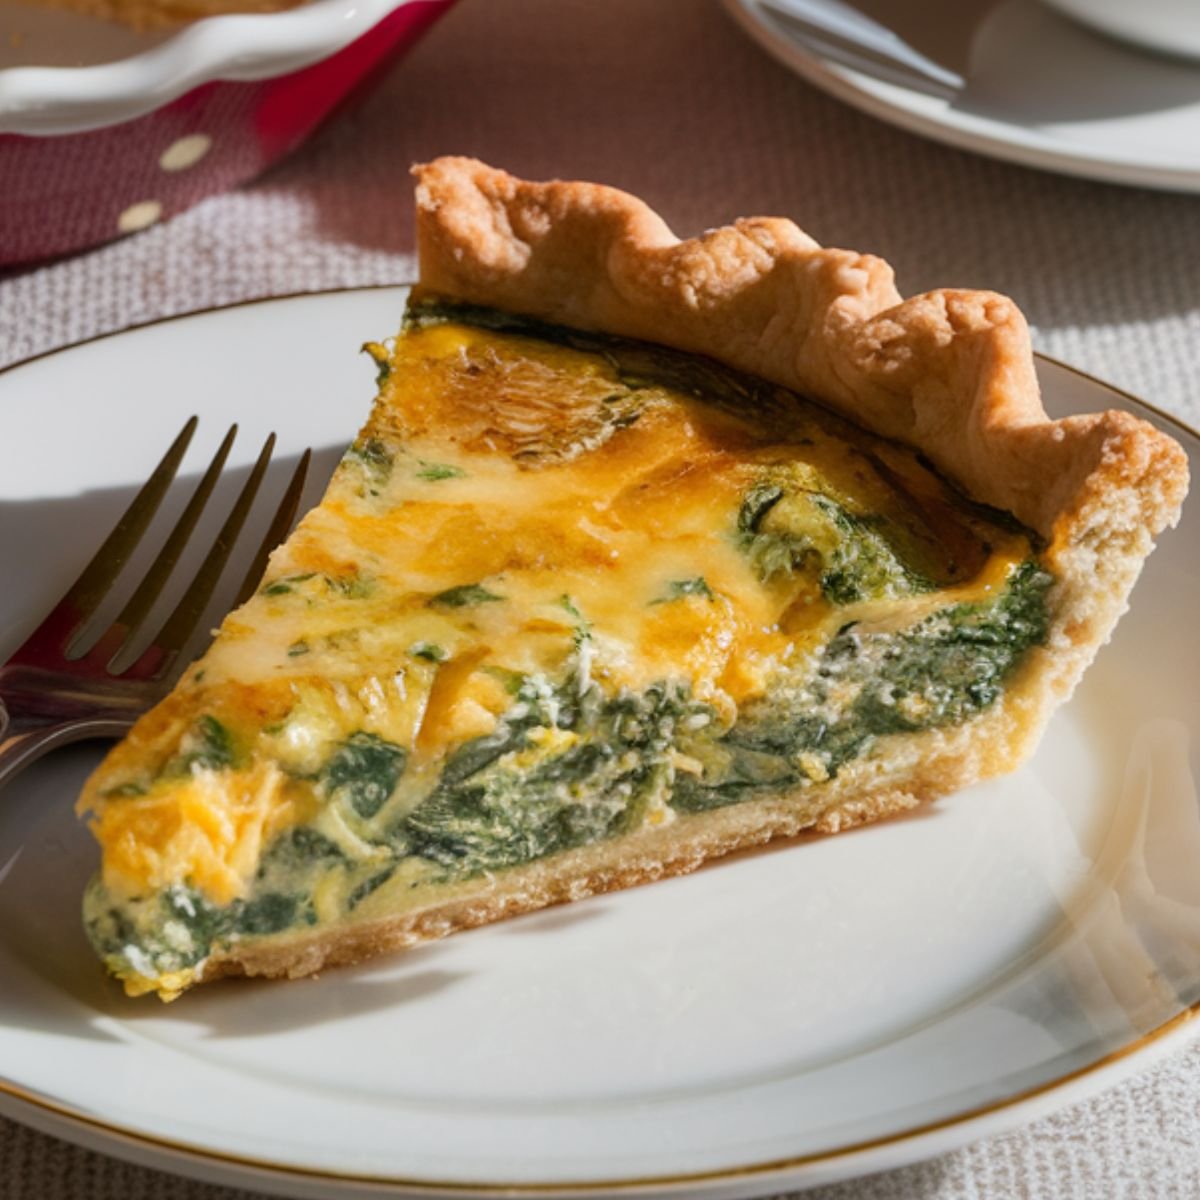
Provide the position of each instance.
(88, 153)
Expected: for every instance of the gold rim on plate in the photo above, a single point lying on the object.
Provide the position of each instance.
(199, 1155)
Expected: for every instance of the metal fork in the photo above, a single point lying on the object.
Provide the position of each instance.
(60, 687)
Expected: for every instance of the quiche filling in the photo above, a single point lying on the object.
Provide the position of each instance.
(562, 589)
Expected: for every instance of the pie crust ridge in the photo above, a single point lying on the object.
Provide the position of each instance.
(950, 372)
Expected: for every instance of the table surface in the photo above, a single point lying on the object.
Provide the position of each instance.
(670, 101)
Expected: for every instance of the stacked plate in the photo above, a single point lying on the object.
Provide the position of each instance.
(1042, 90)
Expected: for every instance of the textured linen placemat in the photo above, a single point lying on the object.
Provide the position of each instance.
(668, 100)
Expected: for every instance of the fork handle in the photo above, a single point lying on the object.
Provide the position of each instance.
(22, 744)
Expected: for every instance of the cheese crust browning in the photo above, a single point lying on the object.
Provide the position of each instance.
(578, 613)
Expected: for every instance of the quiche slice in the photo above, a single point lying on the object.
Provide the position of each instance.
(649, 551)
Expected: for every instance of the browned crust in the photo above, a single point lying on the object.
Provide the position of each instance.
(949, 372)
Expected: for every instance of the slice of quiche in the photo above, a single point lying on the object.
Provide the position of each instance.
(649, 551)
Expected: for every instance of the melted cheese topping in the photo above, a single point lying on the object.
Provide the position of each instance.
(507, 497)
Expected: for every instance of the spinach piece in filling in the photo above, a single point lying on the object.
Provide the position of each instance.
(363, 772)
(852, 556)
(487, 813)
(436, 472)
(866, 563)
(465, 596)
(297, 848)
(374, 460)
(678, 589)
(208, 745)
(178, 928)
(869, 683)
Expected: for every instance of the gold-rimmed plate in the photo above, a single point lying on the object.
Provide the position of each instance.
(1041, 90)
(779, 1019)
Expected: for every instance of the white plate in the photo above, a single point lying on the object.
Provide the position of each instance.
(1043, 91)
(780, 1019)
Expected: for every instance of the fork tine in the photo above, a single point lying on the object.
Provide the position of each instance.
(182, 622)
(281, 522)
(137, 607)
(98, 576)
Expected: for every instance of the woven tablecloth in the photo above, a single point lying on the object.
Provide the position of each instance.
(668, 100)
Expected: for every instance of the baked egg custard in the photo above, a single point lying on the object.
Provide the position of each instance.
(562, 588)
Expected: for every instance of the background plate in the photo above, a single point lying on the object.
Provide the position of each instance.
(1043, 91)
(782, 1018)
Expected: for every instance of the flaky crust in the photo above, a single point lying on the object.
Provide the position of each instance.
(950, 373)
